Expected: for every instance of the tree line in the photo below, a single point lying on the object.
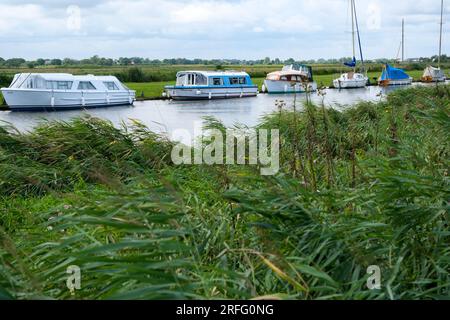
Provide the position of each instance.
(124, 61)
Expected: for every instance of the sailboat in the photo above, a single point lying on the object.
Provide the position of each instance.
(394, 76)
(432, 74)
(353, 79)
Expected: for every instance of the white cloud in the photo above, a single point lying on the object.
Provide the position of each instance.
(214, 28)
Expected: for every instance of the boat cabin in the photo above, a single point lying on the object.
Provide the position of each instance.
(213, 79)
(64, 81)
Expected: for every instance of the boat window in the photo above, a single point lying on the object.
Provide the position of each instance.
(217, 81)
(111, 86)
(59, 85)
(242, 80)
(283, 78)
(181, 80)
(86, 85)
(234, 81)
(200, 80)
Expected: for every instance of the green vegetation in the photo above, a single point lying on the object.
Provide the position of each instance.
(366, 186)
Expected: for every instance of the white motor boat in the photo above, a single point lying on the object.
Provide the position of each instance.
(291, 79)
(208, 85)
(31, 91)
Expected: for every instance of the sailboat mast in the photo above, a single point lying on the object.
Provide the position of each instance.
(440, 35)
(353, 29)
(403, 40)
(359, 36)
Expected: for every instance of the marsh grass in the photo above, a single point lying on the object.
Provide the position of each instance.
(366, 186)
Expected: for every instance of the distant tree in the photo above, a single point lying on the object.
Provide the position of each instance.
(69, 62)
(266, 60)
(289, 61)
(14, 62)
(40, 62)
(56, 62)
(31, 64)
(124, 61)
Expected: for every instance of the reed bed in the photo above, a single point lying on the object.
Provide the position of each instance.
(366, 186)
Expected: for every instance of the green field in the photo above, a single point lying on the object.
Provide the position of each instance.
(367, 186)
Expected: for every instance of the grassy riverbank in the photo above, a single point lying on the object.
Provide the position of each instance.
(367, 186)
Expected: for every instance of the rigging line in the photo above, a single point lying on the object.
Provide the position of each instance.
(359, 37)
(440, 34)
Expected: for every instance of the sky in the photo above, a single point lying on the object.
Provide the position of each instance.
(216, 29)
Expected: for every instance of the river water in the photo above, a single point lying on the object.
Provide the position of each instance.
(164, 116)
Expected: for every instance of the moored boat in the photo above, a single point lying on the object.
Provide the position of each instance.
(394, 77)
(33, 91)
(432, 74)
(208, 85)
(291, 79)
(353, 79)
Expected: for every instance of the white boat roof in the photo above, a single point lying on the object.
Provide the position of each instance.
(71, 77)
(288, 73)
(216, 73)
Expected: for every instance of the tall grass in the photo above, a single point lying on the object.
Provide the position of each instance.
(366, 186)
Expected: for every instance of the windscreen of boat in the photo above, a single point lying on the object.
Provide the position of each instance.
(192, 79)
(28, 81)
(20, 80)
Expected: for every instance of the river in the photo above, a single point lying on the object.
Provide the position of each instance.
(164, 116)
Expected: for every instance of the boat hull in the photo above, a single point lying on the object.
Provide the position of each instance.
(208, 93)
(433, 80)
(386, 83)
(29, 99)
(349, 84)
(278, 86)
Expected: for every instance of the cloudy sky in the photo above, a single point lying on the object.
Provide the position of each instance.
(245, 29)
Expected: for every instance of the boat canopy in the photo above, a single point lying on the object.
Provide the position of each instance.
(351, 64)
(65, 81)
(434, 73)
(391, 73)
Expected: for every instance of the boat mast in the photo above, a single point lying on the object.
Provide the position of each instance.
(359, 37)
(403, 40)
(353, 30)
(440, 36)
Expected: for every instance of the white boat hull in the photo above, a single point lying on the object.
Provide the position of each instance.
(403, 82)
(279, 86)
(349, 84)
(64, 99)
(206, 93)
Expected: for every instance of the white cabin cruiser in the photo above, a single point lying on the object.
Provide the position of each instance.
(31, 91)
(207, 85)
(291, 79)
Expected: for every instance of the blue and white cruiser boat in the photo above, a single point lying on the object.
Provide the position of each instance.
(204, 85)
(35, 91)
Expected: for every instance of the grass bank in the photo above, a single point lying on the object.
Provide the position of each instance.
(366, 186)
